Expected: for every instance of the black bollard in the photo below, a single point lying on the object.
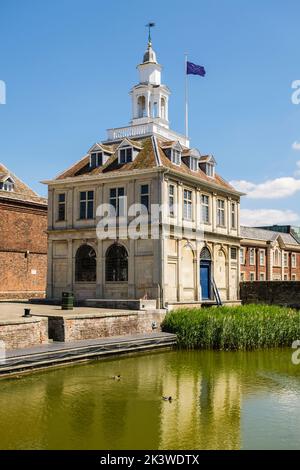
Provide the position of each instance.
(27, 313)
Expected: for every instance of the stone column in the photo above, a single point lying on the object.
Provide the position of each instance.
(179, 203)
(50, 208)
(179, 284)
(75, 207)
(198, 223)
(148, 105)
(282, 265)
(214, 212)
(229, 202)
(69, 208)
(99, 270)
(238, 267)
(49, 292)
(131, 270)
(101, 265)
(158, 100)
(98, 198)
(70, 265)
(238, 218)
(227, 267)
(269, 263)
(199, 245)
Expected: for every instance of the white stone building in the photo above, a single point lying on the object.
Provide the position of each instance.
(145, 162)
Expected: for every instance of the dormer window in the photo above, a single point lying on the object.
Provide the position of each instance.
(125, 155)
(128, 150)
(99, 154)
(7, 185)
(173, 151)
(191, 158)
(194, 164)
(96, 159)
(210, 171)
(207, 165)
(176, 157)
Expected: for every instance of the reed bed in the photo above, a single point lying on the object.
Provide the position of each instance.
(245, 327)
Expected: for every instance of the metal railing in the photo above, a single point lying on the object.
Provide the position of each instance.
(216, 293)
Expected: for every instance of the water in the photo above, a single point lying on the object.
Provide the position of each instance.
(221, 401)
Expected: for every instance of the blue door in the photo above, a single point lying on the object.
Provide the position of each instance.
(205, 279)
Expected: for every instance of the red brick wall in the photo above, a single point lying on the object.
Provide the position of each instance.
(247, 268)
(257, 269)
(22, 230)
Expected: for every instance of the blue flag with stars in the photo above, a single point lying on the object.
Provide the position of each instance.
(193, 69)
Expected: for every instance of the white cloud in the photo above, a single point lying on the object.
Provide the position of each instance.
(271, 189)
(296, 146)
(259, 217)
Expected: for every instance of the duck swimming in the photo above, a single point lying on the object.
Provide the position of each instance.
(167, 399)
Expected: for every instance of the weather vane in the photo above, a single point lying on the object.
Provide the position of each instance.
(149, 26)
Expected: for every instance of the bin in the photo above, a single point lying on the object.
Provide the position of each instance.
(67, 301)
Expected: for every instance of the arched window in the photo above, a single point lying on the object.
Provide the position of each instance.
(141, 106)
(85, 264)
(116, 264)
(163, 108)
(155, 109)
(205, 254)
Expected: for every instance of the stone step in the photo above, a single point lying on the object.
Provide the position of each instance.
(54, 354)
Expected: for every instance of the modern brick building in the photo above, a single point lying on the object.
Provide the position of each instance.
(267, 255)
(23, 239)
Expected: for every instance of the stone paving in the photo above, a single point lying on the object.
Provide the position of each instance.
(14, 310)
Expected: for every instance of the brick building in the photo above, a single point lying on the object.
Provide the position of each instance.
(23, 239)
(267, 255)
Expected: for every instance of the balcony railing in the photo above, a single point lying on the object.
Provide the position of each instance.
(145, 129)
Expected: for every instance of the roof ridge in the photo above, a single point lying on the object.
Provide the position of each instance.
(18, 180)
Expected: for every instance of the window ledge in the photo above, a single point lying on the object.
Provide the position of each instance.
(85, 282)
(116, 282)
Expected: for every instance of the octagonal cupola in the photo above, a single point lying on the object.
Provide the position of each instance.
(150, 97)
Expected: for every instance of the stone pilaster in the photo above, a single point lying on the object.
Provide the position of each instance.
(70, 265)
(49, 291)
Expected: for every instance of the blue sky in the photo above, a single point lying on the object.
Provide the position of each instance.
(69, 64)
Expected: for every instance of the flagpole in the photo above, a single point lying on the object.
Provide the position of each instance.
(186, 98)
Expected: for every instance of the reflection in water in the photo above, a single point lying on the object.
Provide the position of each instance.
(206, 411)
(220, 401)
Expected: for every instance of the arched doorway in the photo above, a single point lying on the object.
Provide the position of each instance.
(205, 273)
(85, 264)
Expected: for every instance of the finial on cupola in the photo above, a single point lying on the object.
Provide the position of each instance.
(149, 26)
(150, 55)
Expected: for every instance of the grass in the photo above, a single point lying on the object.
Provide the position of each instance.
(245, 327)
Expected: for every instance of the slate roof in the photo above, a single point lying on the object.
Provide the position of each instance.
(144, 160)
(267, 235)
(21, 192)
